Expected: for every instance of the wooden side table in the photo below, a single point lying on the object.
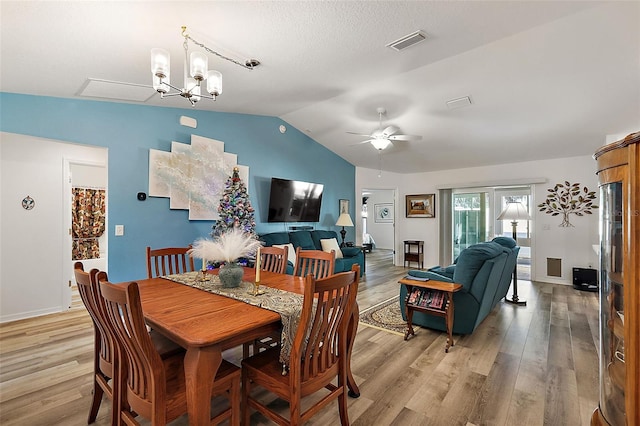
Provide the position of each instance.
(412, 254)
(437, 300)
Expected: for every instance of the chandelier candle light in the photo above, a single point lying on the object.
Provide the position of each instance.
(195, 66)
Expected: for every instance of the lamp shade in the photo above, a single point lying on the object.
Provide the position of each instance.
(344, 220)
(198, 65)
(214, 83)
(160, 62)
(514, 211)
(194, 88)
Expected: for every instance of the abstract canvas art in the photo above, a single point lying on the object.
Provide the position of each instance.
(193, 175)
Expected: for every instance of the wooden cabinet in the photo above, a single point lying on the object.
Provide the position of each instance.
(619, 180)
(414, 252)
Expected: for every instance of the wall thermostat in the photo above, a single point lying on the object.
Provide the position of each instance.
(142, 196)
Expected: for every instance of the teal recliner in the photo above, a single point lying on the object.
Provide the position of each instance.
(485, 272)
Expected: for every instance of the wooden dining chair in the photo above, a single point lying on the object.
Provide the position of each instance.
(318, 354)
(151, 386)
(168, 260)
(317, 262)
(272, 259)
(103, 347)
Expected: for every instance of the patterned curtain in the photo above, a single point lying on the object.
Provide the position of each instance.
(88, 222)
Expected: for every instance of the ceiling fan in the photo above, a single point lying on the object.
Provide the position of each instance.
(382, 138)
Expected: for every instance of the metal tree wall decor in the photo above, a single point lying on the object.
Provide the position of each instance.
(566, 199)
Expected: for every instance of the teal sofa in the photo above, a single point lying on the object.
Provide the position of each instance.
(310, 240)
(485, 272)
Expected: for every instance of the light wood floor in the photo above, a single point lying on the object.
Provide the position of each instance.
(533, 365)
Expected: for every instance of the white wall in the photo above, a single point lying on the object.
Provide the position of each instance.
(572, 245)
(33, 249)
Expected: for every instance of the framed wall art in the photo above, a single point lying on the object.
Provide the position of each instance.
(383, 213)
(422, 205)
(344, 206)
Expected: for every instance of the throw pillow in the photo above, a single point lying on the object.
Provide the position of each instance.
(331, 244)
(291, 252)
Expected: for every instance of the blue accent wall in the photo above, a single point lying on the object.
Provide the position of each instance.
(130, 130)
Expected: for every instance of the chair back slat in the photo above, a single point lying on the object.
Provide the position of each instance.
(145, 391)
(327, 306)
(319, 263)
(274, 259)
(90, 294)
(168, 261)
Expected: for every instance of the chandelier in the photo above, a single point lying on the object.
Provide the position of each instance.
(197, 66)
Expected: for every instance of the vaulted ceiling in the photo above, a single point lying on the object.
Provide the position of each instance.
(544, 79)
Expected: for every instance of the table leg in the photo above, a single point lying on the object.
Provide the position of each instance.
(449, 321)
(200, 367)
(354, 392)
(409, 314)
(409, 331)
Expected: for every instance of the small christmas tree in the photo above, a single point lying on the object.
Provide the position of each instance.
(235, 208)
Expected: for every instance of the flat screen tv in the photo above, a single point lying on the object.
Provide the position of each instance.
(294, 201)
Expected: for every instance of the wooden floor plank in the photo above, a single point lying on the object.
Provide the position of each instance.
(513, 370)
(562, 405)
(495, 394)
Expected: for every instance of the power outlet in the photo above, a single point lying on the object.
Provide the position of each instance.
(119, 230)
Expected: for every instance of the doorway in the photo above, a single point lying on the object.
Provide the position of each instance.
(377, 219)
(85, 183)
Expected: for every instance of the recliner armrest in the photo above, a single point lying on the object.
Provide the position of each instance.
(350, 251)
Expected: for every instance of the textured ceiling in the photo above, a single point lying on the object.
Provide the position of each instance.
(546, 79)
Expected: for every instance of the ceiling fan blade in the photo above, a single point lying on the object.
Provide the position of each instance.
(359, 134)
(360, 143)
(389, 130)
(405, 138)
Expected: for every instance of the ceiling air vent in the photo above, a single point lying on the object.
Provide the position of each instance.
(407, 41)
(459, 103)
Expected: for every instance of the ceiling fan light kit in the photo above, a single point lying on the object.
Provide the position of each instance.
(382, 138)
(380, 143)
(197, 65)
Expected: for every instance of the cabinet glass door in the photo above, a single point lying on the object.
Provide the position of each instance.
(612, 363)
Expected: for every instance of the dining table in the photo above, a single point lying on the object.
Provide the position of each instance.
(206, 324)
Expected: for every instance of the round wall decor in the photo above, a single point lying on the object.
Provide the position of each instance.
(28, 203)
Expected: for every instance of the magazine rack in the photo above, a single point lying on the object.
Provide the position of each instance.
(433, 298)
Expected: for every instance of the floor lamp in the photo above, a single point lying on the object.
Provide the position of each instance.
(344, 220)
(515, 211)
